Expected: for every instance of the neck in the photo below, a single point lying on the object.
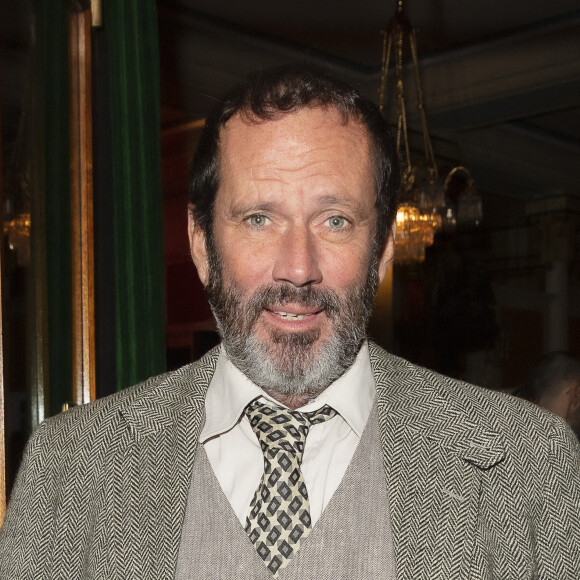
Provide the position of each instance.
(291, 401)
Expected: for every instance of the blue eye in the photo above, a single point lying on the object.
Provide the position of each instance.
(258, 220)
(337, 222)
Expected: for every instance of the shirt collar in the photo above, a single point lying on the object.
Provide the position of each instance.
(352, 395)
(230, 391)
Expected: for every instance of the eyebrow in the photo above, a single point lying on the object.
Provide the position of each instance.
(241, 209)
(334, 200)
(341, 201)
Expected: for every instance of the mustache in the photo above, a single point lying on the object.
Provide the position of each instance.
(286, 293)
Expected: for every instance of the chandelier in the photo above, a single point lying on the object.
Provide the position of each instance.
(17, 231)
(16, 206)
(15, 210)
(423, 207)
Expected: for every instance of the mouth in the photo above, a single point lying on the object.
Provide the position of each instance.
(295, 315)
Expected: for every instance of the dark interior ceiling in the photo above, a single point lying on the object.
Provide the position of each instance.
(501, 79)
(348, 29)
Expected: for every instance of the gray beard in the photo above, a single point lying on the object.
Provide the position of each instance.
(290, 363)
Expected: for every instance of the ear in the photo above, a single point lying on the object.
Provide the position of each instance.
(388, 253)
(198, 248)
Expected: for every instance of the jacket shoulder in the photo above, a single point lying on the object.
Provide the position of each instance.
(86, 424)
(524, 461)
(404, 384)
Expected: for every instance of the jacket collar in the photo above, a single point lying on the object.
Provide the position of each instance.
(175, 396)
(433, 407)
(437, 447)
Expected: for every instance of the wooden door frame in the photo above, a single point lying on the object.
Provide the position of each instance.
(2, 437)
(80, 21)
(82, 242)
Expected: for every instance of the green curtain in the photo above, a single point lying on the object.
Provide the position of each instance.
(50, 110)
(134, 92)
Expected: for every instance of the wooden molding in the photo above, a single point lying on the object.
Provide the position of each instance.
(96, 13)
(83, 287)
(2, 425)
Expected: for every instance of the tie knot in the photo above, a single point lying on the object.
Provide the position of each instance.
(281, 428)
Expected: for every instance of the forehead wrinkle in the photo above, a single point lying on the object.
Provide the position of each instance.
(313, 168)
(281, 145)
(283, 157)
(291, 153)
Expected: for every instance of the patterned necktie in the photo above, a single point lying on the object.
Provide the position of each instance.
(280, 511)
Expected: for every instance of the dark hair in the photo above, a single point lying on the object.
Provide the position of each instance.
(552, 374)
(270, 94)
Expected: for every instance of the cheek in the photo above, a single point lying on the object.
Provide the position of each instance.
(345, 268)
(246, 268)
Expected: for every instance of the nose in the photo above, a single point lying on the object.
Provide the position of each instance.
(296, 260)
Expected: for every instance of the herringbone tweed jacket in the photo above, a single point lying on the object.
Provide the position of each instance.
(481, 485)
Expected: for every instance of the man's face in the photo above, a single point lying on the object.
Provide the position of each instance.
(291, 269)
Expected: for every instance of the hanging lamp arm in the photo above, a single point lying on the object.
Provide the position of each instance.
(402, 133)
(385, 64)
(455, 171)
(429, 155)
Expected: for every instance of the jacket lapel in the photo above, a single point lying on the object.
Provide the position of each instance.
(163, 427)
(434, 457)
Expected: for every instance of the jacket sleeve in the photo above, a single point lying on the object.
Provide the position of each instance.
(26, 535)
(558, 534)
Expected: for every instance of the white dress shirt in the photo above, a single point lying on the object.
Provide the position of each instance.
(233, 449)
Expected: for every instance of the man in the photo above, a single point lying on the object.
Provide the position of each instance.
(555, 385)
(297, 449)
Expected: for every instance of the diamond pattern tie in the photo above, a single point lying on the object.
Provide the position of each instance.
(280, 511)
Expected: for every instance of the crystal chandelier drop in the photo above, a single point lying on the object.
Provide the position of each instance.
(422, 203)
